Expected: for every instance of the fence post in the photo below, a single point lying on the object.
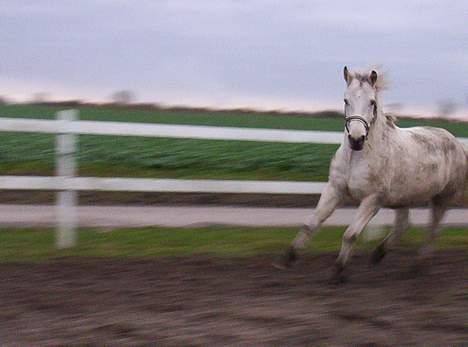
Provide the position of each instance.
(66, 212)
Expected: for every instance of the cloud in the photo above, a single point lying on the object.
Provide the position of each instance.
(233, 50)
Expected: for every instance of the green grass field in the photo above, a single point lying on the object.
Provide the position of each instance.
(28, 153)
(33, 245)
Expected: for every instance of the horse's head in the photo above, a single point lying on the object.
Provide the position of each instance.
(360, 106)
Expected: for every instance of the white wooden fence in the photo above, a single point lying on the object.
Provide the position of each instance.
(67, 127)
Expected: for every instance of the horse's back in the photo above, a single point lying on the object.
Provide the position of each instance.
(435, 161)
(435, 142)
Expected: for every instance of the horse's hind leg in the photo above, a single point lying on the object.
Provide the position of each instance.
(400, 226)
(438, 211)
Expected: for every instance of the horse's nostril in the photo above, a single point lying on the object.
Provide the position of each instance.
(359, 140)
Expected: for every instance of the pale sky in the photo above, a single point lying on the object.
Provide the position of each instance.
(229, 53)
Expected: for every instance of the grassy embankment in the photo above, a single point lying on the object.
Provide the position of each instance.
(33, 245)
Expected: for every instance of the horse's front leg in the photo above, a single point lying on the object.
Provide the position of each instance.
(329, 199)
(367, 209)
(438, 212)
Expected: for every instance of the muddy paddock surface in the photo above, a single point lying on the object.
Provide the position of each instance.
(212, 302)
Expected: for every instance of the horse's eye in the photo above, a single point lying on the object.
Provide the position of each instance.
(346, 102)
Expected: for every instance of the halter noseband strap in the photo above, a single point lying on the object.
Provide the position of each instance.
(358, 118)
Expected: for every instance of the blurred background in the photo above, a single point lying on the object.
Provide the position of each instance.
(230, 63)
(257, 64)
(234, 54)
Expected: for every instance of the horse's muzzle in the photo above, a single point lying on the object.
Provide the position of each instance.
(356, 145)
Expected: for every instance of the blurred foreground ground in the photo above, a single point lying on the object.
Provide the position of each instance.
(233, 301)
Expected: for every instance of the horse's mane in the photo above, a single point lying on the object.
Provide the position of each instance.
(391, 120)
(363, 76)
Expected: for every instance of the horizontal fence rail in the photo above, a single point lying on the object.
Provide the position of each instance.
(168, 131)
(67, 126)
(158, 185)
(172, 131)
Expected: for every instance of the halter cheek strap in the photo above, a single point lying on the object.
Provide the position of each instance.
(358, 118)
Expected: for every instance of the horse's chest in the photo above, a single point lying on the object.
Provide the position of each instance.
(360, 182)
(353, 173)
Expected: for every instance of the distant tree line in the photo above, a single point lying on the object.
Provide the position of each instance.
(127, 98)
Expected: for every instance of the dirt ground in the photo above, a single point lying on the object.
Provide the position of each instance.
(212, 301)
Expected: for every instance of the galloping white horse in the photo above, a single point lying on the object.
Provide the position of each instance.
(382, 165)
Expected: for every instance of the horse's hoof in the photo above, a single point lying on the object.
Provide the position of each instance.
(338, 279)
(378, 254)
(338, 276)
(287, 260)
(419, 268)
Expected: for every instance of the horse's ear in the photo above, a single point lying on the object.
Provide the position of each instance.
(347, 76)
(373, 77)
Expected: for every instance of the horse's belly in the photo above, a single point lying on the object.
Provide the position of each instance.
(413, 189)
(403, 189)
(409, 199)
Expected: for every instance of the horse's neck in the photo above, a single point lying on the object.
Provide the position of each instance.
(379, 129)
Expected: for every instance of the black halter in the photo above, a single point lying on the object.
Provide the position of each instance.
(358, 118)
